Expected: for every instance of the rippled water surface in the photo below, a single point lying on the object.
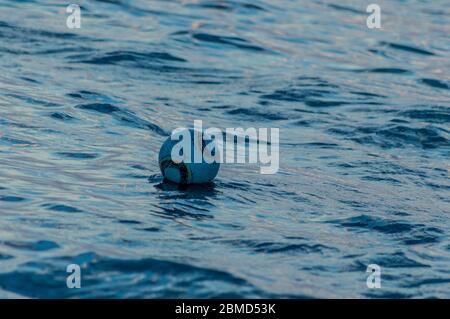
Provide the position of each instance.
(364, 148)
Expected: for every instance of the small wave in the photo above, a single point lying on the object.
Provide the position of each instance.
(62, 116)
(62, 208)
(407, 48)
(103, 108)
(430, 114)
(304, 89)
(405, 232)
(397, 260)
(276, 247)
(137, 57)
(237, 42)
(78, 155)
(398, 136)
(125, 117)
(258, 115)
(345, 8)
(41, 245)
(385, 70)
(12, 199)
(435, 83)
(146, 278)
(226, 5)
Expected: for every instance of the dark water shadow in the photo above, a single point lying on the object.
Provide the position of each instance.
(192, 191)
(192, 201)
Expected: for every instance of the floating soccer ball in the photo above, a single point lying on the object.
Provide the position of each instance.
(188, 160)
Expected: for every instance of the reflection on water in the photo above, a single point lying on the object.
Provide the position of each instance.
(364, 147)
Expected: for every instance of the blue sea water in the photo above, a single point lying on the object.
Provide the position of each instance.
(364, 148)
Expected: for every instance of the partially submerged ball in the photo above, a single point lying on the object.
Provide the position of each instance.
(187, 158)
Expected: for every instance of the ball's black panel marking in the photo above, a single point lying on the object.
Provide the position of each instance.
(182, 168)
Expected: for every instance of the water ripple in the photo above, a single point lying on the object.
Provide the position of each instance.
(364, 146)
